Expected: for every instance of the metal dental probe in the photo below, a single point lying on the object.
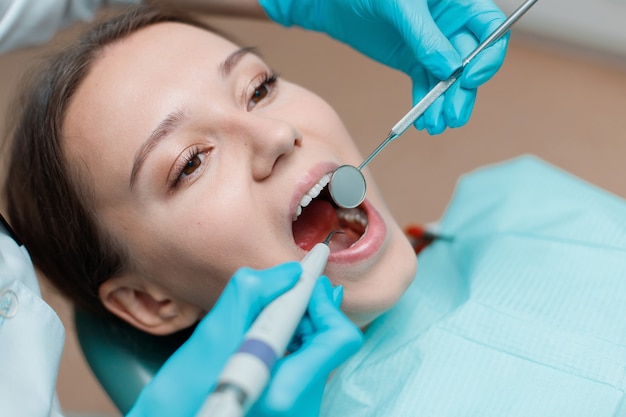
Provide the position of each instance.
(347, 184)
(247, 372)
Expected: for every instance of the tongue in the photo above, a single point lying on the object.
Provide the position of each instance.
(315, 224)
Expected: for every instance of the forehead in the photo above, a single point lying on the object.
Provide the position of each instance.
(172, 33)
(169, 40)
(133, 83)
(129, 71)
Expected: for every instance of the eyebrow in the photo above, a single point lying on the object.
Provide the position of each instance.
(233, 59)
(174, 119)
(171, 122)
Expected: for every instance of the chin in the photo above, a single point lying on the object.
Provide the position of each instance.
(364, 304)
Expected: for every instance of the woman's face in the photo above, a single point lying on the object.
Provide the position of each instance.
(198, 159)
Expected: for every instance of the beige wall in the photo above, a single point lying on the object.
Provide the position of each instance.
(564, 106)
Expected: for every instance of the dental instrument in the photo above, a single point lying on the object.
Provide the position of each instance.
(247, 372)
(347, 184)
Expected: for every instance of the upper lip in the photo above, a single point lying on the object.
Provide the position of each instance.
(308, 181)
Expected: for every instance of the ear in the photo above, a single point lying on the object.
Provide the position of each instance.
(147, 306)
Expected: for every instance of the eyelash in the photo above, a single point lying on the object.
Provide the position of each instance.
(267, 80)
(183, 162)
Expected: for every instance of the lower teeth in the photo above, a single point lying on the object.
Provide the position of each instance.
(352, 216)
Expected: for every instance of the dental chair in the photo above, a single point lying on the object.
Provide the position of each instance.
(123, 358)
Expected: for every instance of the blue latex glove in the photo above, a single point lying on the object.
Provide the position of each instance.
(426, 39)
(327, 339)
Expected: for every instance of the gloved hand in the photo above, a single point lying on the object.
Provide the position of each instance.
(328, 338)
(426, 39)
(325, 338)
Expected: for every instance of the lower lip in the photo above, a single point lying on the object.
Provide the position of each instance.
(369, 244)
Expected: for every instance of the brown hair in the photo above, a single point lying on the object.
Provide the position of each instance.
(48, 206)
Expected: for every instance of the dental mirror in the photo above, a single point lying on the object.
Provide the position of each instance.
(347, 184)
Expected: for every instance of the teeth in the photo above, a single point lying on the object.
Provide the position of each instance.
(311, 194)
(353, 216)
(306, 200)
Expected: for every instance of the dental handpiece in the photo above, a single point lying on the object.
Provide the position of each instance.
(347, 184)
(247, 372)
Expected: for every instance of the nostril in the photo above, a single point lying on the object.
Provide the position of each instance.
(270, 142)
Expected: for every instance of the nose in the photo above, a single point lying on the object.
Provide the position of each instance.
(269, 140)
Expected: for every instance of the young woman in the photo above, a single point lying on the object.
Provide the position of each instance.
(155, 171)
(161, 194)
(24, 22)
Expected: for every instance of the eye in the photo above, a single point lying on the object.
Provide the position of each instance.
(190, 164)
(263, 88)
(259, 94)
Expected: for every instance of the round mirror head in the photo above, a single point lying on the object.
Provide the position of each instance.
(347, 186)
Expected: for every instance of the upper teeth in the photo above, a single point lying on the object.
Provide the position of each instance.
(311, 194)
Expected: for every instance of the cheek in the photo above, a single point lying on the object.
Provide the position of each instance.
(314, 116)
(193, 276)
(196, 260)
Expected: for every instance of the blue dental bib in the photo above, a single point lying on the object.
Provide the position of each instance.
(522, 313)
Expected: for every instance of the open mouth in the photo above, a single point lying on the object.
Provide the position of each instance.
(317, 216)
